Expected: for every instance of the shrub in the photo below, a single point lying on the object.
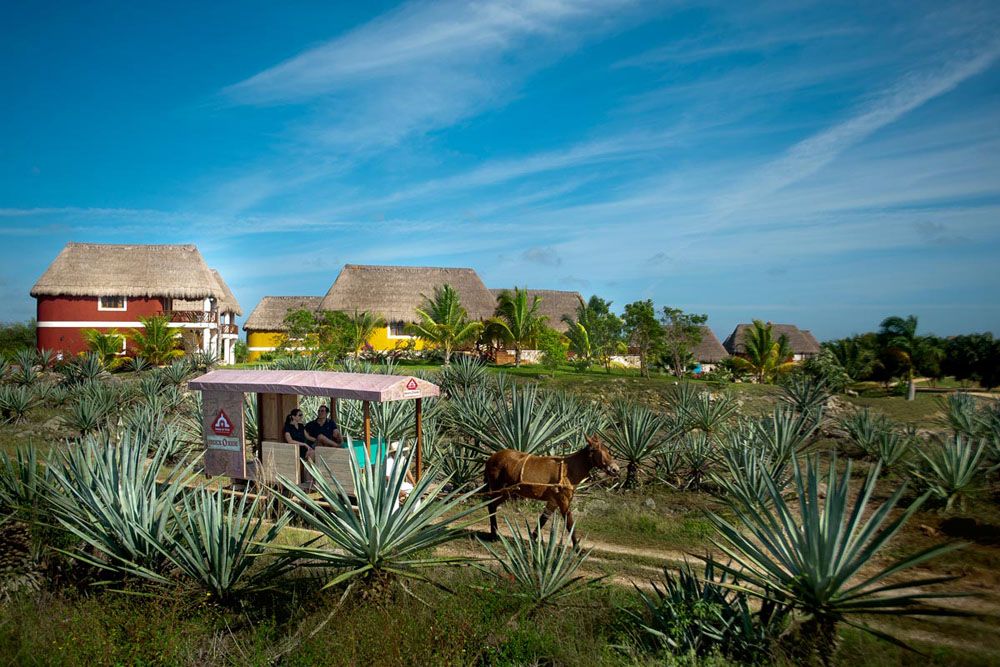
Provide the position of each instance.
(706, 614)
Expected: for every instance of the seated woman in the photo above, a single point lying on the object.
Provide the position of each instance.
(322, 431)
(295, 434)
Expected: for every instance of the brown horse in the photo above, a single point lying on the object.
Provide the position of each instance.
(553, 479)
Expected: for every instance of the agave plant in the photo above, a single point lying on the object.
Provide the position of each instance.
(864, 427)
(668, 466)
(392, 419)
(87, 368)
(812, 561)
(682, 396)
(963, 415)
(150, 386)
(952, 469)
(23, 488)
(544, 570)
(218, 542)
(462, 374)
(469, 412)
(176, 373)
(708, 413)
(804, 393)
(706, 613)
(523, 422)
(300, 362)
(634, 437)
(58, 395)
(108, 495)
(784, 433)
(16, 402)
(752, 474)
(45, 359)
(383, 538)
(86, 415)
(699, 453)
(892, 448)
(25, 370)
(137, 364)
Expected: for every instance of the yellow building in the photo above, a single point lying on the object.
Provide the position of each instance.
(266, 327)
(393, 292)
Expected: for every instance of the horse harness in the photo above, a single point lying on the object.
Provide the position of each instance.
(563, 480)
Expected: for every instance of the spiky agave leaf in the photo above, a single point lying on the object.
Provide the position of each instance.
(813, 560)
(217, 543)
(382, 537)
(804, 393)
(545, 570)
(107, 494)
(634, 436)
(708, 413)
(752, 473)
(784, 433)
(952, 469)
(525, 421)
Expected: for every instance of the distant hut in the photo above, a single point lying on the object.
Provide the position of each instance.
(553, 303)
(266, 326)
(803, 343)
(229, 309)
(104, 286)
(395, 292)
(709, 351)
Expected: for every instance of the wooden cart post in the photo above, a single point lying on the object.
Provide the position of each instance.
(420, 441)
(368, 426)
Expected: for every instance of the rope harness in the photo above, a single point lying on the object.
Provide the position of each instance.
(562, 484)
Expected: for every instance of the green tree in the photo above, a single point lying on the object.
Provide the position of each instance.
(108, 346)
(579, 344)
(987, 369)
(643, 331)
(520, 322)
(553, 346)
(899, 338)
(16, 336)
(363, 325)
(444, 322)
(681, 335)
(603, 329)
(763, 356)
(855, 355)
(157, 342)
(300, 333)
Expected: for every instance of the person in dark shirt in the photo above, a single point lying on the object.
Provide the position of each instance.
(295, 434)
(322, 431)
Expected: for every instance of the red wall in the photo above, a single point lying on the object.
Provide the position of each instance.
(84, 309)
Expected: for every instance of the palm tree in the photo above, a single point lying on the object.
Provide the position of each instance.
(157, 343)
(853, 356)
(363, 325)
(520, 323)
(444, 322)
(764, 356)
(107, 345)
(900, 338)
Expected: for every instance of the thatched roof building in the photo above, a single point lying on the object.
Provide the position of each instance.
(227, 303)
(709, 350)
(130, 270)
(269, 315)
(553, 304)
(803, 343)
(396, 291)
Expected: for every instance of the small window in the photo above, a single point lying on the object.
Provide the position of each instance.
(111, 303)
(397, 329)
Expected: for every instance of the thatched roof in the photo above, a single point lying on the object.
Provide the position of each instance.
(227, 303)
(799, 342)
(709, 350)
(269, 315)
(396, 291)
(107, 269)
(553, 303)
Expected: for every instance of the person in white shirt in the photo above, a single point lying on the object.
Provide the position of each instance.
(394, 457)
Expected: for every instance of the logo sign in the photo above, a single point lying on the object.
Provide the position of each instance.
(411, 388)
(221, 424)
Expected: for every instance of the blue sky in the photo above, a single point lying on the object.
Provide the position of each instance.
(824, 164)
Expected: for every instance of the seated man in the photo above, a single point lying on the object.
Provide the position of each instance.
(394, 457)
(323, 431)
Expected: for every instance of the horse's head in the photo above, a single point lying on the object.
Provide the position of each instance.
(600, 456)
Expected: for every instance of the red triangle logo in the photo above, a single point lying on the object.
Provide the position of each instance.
(222, 425)
(411, 385)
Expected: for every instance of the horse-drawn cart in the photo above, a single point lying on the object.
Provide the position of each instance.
(228, 453)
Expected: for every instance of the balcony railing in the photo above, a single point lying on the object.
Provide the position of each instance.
(191, 316)
(230, 328)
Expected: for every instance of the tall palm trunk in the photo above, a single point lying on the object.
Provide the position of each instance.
(517, 356)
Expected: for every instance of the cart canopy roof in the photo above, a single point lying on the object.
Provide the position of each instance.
(357, 386)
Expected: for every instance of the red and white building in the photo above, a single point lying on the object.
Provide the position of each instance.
(109, 286)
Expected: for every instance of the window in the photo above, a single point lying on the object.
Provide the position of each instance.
(111, 303)
(398, 330)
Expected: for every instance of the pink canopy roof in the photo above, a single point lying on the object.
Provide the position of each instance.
(358, 386)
